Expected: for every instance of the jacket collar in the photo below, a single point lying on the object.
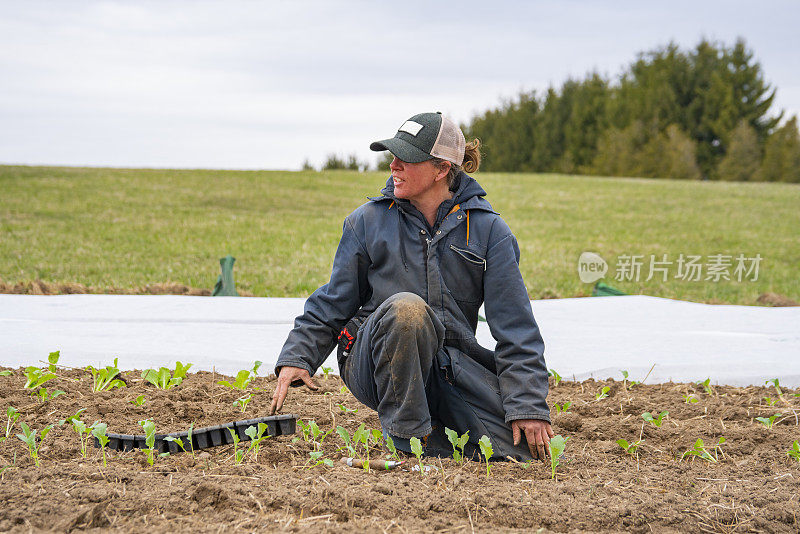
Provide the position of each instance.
(469, 194)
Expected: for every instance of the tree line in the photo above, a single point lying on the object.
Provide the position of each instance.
(702, 113)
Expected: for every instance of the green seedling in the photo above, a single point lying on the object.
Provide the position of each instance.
(563, 408)
(458, 443)
(164, 378)
(486, 450)
(416, 449)
(99, 431)
(362, 436)
(177, 441)
(345, 409)
(343, 390)
(105, 379)
(42, 395)
(189, 438)
(305, 430)
(255, 368)
(238, 455)
(35, 377)
(317, 459)
(256, 435)
(149, 439)
(241, 382)
(326, 371)
(317, 435)
(391, 447)
(28, 437)
(82, 430)
(602, 394)
(690, 399)
(777, 385)
(348, 444)
(628, 384)
(52, 359)
(768, 421)
(376, 436)
(655, 421)
(12, 416)
(556, 377)
(557, 445)
(706, 384)
(138, 401)
(630, 448)
(794, 451)
(769, 401)
(699, 450)
(243, 402)
(5, 373)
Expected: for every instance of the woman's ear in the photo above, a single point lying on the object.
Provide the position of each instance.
(442, 171)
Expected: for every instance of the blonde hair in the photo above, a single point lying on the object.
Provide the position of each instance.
(472, 160)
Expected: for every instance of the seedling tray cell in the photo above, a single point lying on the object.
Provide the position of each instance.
(204, 438)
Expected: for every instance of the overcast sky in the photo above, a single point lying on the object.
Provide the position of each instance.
(264, 85)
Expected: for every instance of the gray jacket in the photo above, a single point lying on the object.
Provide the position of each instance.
(468, 258)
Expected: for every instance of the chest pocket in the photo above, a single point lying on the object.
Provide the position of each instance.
(462, 271)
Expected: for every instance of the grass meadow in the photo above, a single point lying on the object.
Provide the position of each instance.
(123, 228)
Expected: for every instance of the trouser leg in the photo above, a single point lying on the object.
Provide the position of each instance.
(391, 364)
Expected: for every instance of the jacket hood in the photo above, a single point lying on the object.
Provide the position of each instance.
(469, 193)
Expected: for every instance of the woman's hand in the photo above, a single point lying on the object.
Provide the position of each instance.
(286, 376)
(537, 433)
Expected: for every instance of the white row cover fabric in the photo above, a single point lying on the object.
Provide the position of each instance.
(584, 337)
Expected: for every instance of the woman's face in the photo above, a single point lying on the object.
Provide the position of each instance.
(416, 181)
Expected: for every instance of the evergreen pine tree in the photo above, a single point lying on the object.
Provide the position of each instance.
(742, 161)
(782, 154)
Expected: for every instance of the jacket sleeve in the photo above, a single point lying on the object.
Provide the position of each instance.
(519, 353)
(329, 308)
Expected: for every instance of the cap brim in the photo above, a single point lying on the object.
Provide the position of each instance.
(403, 150)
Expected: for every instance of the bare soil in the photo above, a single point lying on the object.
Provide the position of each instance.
(754, 487)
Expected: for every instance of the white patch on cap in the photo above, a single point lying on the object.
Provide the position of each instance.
(410, 127)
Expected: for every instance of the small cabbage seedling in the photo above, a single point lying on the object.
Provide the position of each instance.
(706, 385)
(361, 435)
(557, 445)
(256, 436)
(326, 371)
(317, 459)
(345, 409)
(149, 439)
(391, 447)
(768, 421)
(12, 416)
(241, 382)
(775, 382)
(36, 377)
(630, 448)
(655, 421)
(42, 395)
(99, 431)
(458, 443)
(5, 373)
(52, 359)
(348, 444)
(485, 445)
(416, 449)
(179, 441)
(105, 379)
(28, 437)
(627, 384)
(243, 402)
(769, 401)
(794, 451)
(138, 401)
(317, 435)
(83, 434)
(690, 399)
(699, 450)
(563, 408)
(238, 455)
(556, 377)
(603, 393)
(162, 379)
(343, 390)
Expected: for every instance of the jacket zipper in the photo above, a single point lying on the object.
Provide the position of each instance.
(469, 256)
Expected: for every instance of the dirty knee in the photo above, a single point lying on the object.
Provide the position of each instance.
(408, 311)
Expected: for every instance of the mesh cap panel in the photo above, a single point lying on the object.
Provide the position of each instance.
(450, 143)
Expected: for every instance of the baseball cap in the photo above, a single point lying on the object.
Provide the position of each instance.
(423, 137)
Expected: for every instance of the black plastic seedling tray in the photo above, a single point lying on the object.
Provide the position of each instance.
(204, 438)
